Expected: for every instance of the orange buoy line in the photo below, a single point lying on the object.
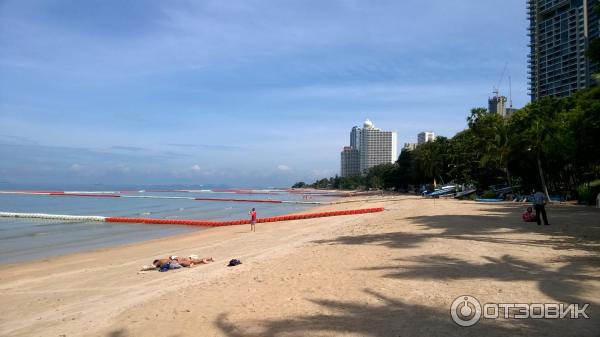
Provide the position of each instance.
(209, 223)
(243, 221)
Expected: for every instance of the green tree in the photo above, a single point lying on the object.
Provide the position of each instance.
(352, 182)
(584, 122)
(430, 161)
(538, 128)
(464, 158)
(299, 184)
(322, 183)
(492, 135)
(404, 176)
(381, 176)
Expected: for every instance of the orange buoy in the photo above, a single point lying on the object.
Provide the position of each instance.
(243, 221)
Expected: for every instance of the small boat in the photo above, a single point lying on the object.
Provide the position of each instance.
(465, 193)
(442, 191)
(488, 200)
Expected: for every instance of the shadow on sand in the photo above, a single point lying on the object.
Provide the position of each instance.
(572, 228)
(394, 317)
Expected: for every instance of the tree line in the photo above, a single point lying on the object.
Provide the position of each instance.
(552, 144)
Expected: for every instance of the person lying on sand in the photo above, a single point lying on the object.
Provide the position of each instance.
(183, 261)
(189, 261)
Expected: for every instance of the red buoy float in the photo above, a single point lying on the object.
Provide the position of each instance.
(243, 221)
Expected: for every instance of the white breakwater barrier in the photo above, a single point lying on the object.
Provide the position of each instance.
(53, 216)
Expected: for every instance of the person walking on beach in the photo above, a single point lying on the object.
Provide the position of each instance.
(252, 214)
(539, 203)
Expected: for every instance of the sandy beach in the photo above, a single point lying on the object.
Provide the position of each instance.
(394, 273)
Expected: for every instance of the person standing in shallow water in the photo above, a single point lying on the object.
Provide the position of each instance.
(252, 214)
(539, 202)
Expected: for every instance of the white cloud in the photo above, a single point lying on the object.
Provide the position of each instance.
(121, 169)
(197, 171)
(283, 168)
(76, 168)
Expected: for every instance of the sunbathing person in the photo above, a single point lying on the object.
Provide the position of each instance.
(190, 261)
(161, 262)
(183, 261)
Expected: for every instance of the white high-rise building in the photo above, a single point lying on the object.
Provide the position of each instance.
(376, 146)
(369, 146)
(425, 136)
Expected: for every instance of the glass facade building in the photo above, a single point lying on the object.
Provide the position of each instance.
(560, 31)
(350, 162)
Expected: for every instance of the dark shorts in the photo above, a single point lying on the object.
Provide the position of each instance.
(253, 222)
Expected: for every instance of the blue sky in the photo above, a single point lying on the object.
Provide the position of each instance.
(247, 93)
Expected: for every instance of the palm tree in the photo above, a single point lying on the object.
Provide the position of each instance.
(538, 133)
(539, 130)
(499, 147)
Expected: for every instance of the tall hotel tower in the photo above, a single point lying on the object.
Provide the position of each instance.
(369, 147)
(560, 31)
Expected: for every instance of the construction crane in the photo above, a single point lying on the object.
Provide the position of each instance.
(496, 89)
(510, 93)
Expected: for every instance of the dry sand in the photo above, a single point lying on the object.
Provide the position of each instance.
(386, 274)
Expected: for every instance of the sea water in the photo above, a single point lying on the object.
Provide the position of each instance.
(32, 239)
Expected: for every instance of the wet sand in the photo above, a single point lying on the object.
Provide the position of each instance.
(394, 273)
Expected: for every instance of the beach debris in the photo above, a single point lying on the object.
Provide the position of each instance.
(234, 262)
